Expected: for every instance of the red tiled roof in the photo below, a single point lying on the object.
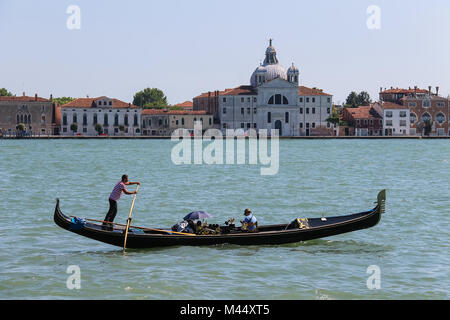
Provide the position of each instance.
(305, 91)
(391, 105)
(249, 90)
(186, 104)
(87, 103)
(172, 112)
(405, 91)
(23, 98)
(362, 112)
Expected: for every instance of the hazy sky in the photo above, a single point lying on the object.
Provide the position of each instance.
(189, 47)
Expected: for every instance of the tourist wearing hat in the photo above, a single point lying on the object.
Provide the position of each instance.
(249, 220)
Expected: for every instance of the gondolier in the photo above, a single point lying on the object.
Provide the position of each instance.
(114, 197)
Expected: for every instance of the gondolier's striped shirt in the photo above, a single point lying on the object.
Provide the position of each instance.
(117, 191)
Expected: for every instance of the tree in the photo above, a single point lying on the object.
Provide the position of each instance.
(99, 128)
(63, 100)
(74, 127)
(150, 98)
(4, 92)
(354, 99)
(122, 128)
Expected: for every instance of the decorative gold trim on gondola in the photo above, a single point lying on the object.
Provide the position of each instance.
(303, 223)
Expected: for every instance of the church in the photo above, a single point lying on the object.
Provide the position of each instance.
(272, 100)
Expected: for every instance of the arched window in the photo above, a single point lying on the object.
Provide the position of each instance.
(426, 117)
(116, 119)
(125, 120)
(105, 120)
(29, 118)
(412, 117)
(135, 120)
(21, 118)
(18, 119)
(64, 119)
(85, 119)
(95, 118)
(440, 117)
(278, 99)
(74, 118)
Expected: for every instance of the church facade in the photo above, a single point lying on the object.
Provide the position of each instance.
(273, 100)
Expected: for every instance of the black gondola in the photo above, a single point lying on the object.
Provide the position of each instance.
(299, 230)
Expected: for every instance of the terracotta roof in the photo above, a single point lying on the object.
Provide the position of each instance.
(391, 105)
(87, 103)
(23, 98)
(249, 90)
(172, 112)
(405, 91)
(362, 112)
(186, 104)
(304, 91)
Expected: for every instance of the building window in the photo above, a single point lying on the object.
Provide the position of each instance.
(301, 110)
(254, 110)
(64, 119)
(426, 117)
(135, 120)
(440, 118)
(105, 121)
(84, 130)
(313, 110)
(328, 100)
(313, 100)
(116, 119)
(74, 118)
(224, 110)
(95, 118)
(182, 121)
(85, 119)
(412, 104)
(328, 109)
(99, 103)
(301, 125)
(278, 99)
(307, 99)
(224, 99)
(254, 99)
(313, 124)
(248, 110)
(242, 110)
(286, 117)
(388, 114)
(210, 121)
(402, 114)
(426, 103)
(269, 117)
(389, 122)
(402, 123)
(412, 117)
(242, 100)
(307, 110)
(301, 100)
(125, 120)
(242, 125)
(110, 103)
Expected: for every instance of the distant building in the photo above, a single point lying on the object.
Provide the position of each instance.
(396, 118)
(159, 122)
(38, 115)
(363, 121)
(428, 112)
(187, 105)
(112, 114)
(273, 100)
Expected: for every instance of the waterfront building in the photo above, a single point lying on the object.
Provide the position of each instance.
(162, 122)
(428, 112)
(38, 115)
(187, 105)
(115, 117)
(273, 100)
(396, 118)
(363, 121)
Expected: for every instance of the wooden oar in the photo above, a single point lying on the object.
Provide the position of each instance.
(129, 220)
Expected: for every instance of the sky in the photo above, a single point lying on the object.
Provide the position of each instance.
(186, 48)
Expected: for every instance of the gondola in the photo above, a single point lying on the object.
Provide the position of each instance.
(301, 229)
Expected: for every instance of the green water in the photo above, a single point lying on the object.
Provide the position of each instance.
(410, 245)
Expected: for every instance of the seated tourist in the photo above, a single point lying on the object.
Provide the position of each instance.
(250, 222)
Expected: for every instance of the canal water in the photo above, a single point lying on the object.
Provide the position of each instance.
(406, 256)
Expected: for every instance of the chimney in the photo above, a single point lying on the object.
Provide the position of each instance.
(429, 89)
(437, 91)
(24, 93)
(35, 97)
(381, 89)
(51, 97)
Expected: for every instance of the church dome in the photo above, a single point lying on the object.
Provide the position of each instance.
(271, 68)
(292, 69)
